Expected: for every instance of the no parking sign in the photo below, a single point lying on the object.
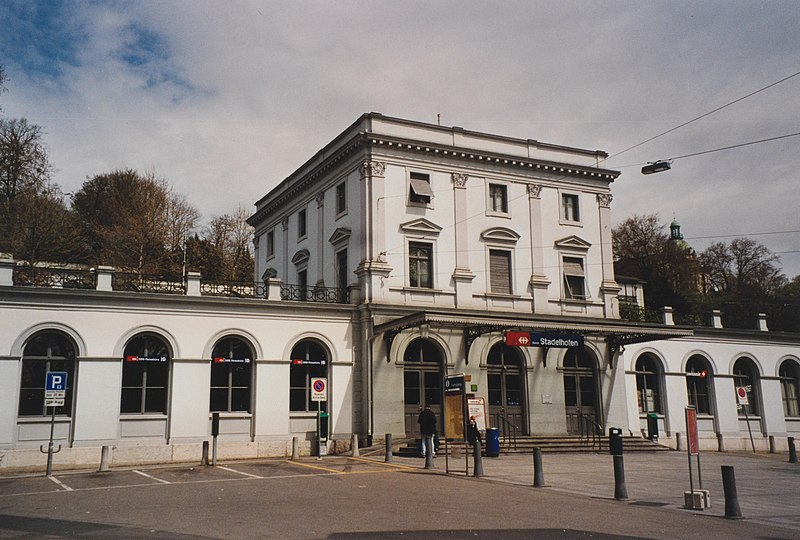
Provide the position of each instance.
(319, 389)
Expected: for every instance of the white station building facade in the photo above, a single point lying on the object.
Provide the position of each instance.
(398, 254)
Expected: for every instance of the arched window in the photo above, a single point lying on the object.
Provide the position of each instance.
(790, 387)
(49, 350)
(309, 360)
(745, 375)
(698, 378)
(145, 375)
(648, 384)
(231, 375)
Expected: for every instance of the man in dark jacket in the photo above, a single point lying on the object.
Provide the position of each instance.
(427, 428)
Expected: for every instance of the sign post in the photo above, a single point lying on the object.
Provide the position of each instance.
(319, 393)
(55, 393)
(694, 499)
(741, 397)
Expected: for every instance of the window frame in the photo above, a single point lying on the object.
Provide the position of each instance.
(302, 224)
(270, 243)
(230, 365)
(649, 378)
(414, 260)
(308, 372)
(577, 215)
(33, 362)
(142, 375)
(493, 278)
(340, 194)
(420, 199)
(693, 397)
(566, 285)
(790, 388)
(492, 201)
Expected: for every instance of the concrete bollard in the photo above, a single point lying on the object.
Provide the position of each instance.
(429, 451)
(204, 458)
(295, 449)
(732, 509)
(679, 441)
(772, 448)
(620, 491)
(388, 458)
(477, 459)
(105, 454)
(354, 445)
(792, 451)
(538, 471)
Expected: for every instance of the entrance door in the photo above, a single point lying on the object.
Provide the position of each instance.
(506, 395)
(422, 383)
(580, 391)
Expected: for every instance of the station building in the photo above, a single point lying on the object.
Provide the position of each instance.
(399, 253)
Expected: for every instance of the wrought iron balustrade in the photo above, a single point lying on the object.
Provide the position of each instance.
(56, 278)
(232, 289)
(326, 295)
(133, 282)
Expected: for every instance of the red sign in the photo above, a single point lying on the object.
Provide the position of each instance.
(691, 431)
(518, 339)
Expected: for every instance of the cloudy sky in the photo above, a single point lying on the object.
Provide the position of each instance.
(224, 99)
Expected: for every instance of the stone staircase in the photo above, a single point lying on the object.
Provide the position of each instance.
(548, 444)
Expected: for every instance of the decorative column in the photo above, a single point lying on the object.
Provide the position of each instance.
(285, 269)
(608, 287)
(462, 275)
(373, 269)
(538, 281)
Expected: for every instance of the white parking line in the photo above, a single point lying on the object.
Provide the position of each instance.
(151, 477)
(60, 483)
(238, 472)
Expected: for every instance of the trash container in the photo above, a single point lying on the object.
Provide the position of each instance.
(652, 427)
(492, 442)
(615, 441)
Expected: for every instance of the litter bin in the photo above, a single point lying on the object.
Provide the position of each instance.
(652, 427)
(492, 442)
(615, 441)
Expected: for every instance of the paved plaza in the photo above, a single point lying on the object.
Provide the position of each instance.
(364, 497)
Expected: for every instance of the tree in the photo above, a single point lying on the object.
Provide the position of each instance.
(132, 221)
(224, 252)
(25, 171)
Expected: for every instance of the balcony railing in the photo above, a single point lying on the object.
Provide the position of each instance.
(232, 289)
(61, 278)
(325, 295)
(133, 282)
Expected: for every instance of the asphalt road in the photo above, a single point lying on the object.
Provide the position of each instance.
(347, 498)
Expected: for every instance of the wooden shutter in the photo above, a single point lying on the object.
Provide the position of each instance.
(500, 271)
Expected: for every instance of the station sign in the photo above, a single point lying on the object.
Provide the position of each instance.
(223, 360)
(541, 339)
(301, 362)
(319, 389)
(133, 358)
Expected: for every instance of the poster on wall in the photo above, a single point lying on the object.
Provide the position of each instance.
(477, 408)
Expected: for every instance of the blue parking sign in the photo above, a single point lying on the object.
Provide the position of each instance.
(56, 381)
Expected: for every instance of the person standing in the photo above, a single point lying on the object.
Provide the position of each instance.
(427, 428)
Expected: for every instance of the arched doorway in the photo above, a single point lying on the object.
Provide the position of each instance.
(580, 389)
(422, 383)
(506, 386)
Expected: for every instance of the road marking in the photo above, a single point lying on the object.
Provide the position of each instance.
(376, 462)
(310, 466)
(60, 483)
(238, 472)
(151, 477)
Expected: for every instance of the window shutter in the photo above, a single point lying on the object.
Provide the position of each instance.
(500, 271)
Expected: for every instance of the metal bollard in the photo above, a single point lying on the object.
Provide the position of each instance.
(477, 459)
(354, 446)
(620, 491)
(295, 449)
(732, 509)
(679, 441)
(104, 459)
(429, 451)
(538, 472)
(388, 458)
(772, 448)
(204, 458)
(792, 451)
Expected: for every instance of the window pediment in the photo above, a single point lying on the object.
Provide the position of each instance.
(301, 257)
(340, 236)
(420, 226)
(573, 242)
(500, 234)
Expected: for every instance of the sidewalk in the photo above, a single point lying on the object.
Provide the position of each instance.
(768, 485)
